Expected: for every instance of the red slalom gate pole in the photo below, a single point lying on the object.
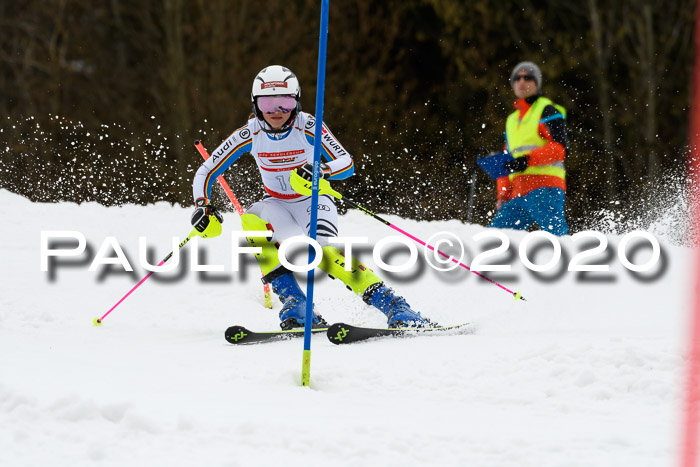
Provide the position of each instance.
(229, 192)
(691, 421)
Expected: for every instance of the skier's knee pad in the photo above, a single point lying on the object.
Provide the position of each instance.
(357, 279)
(268, 259)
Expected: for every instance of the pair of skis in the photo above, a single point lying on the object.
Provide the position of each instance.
(337, 333)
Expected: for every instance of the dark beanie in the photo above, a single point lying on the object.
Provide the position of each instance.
(531, 69)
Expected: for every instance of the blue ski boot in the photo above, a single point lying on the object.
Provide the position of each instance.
(399, 313)
(293, 312)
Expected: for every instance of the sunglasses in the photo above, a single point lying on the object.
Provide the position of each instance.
(517, 78)
(271, 104)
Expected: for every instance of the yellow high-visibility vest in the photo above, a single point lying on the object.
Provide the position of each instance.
(522, 136)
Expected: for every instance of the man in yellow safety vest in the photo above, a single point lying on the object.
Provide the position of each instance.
(536, 136)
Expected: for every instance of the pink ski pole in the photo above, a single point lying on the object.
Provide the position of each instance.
(304, 187)
(98, 321)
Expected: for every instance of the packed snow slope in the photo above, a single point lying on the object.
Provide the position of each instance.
(587, 372)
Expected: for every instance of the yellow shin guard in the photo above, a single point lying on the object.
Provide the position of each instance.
(268, 258)
(358, 279)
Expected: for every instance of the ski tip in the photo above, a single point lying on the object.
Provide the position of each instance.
(196, 142)
(337, 332)
(518, 296)
(97, 322)
(236, 334)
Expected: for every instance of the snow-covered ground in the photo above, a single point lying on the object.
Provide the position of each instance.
(587, 372)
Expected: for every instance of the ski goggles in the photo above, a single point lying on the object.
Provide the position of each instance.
(271, 104)
(517, 78)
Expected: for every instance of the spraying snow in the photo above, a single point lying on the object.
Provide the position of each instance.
(585, 373)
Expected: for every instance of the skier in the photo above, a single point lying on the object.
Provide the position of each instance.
(281, 139)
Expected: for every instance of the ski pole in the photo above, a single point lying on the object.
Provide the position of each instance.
(472, 186)
(303, 187)
(98, 321)
(229, 192)
(471, 172)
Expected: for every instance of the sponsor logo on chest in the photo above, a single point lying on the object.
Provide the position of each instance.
(282, 157)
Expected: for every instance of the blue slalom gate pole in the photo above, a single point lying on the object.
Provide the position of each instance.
(320, 89)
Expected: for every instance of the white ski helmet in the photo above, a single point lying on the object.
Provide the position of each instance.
(275, 80)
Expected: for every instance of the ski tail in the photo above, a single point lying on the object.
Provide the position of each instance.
(343, 333)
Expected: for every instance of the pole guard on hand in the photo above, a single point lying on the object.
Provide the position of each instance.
(213, 228)
(303, 186)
